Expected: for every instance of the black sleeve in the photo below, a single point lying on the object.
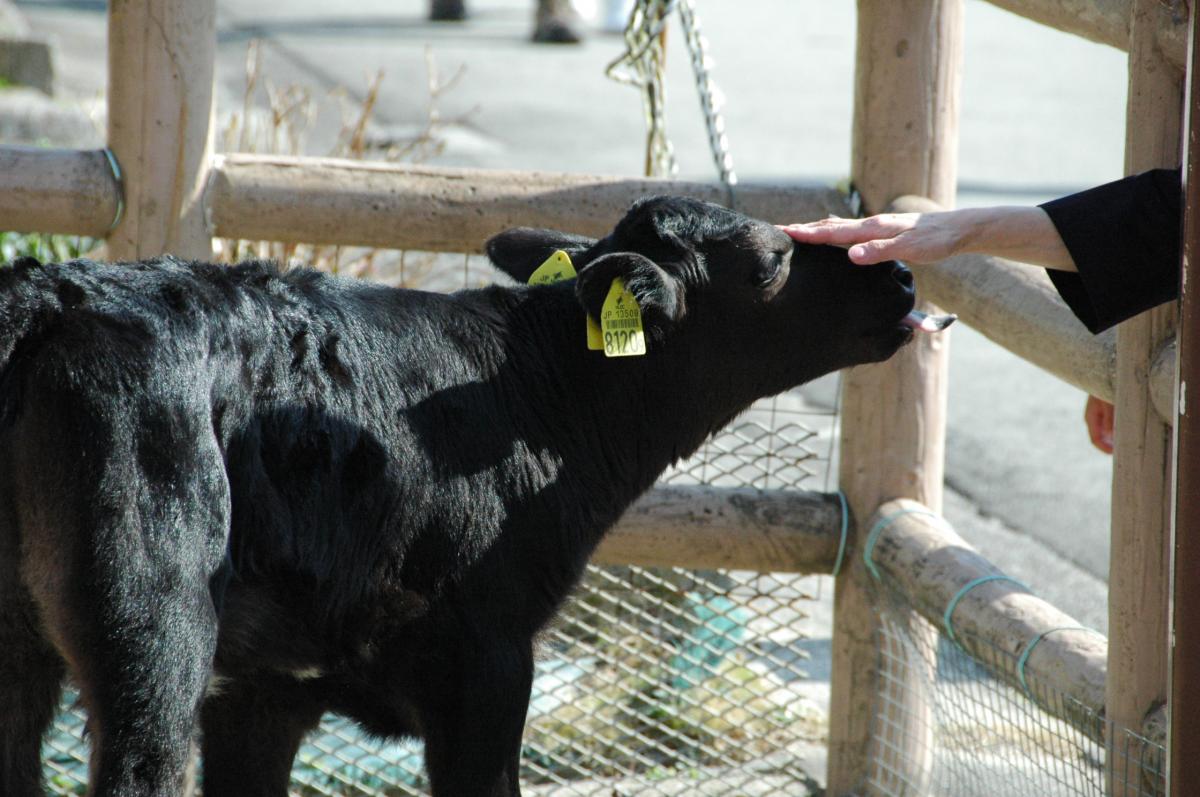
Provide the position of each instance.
(1124, 237)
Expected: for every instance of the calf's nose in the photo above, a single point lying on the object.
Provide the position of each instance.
(903, 276)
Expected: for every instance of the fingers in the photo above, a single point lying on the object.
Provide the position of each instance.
(844, 232)
(1099, 415)
(874, 251)
(864, 250)
(836, 229)
(826, 231)
(871, 240)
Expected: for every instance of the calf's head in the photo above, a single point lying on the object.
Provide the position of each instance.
(731, 294)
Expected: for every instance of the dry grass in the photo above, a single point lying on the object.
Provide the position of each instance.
(283, 127)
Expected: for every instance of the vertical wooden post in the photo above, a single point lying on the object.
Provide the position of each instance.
(160, 111)
(1183, 769)
(909, 55)
(1139, 566)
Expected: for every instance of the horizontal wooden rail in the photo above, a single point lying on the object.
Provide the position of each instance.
(1000, 623)
(56, 190)
(1017, 307)
(1104, 21)
(327, 201)
(741, 529)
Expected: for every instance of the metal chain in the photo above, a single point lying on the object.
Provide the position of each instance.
(643, 64)
(711, 98)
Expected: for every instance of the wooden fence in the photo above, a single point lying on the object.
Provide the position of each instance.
(159, 188)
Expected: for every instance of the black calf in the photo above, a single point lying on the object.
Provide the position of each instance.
(240, 497)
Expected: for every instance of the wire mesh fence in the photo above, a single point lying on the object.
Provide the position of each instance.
(665, 682)
(945, 724)
(653, 681)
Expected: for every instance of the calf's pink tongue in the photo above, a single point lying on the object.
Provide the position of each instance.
(923, 322)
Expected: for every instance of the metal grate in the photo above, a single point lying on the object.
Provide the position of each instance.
(653, 681)
(64, 752)
(752, 454)
(979, 737)
(665, 682)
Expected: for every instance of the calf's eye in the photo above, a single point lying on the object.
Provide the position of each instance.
(767, 273)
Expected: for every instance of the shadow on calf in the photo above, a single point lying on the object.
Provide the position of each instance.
(235, 498)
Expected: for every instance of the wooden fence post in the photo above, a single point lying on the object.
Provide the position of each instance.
(160, 111)
(1138, 579)
(1183, 769)
(907, 80)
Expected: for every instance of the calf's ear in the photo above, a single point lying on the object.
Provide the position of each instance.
(519, 251)
(659, 295)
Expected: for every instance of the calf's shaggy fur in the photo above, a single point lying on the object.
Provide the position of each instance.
(234, 498)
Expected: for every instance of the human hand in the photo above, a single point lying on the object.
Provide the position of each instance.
(1098, 415)
(1024, 234)
(911, 237)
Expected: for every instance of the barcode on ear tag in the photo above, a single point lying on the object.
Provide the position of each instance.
(556, 269)
(621, 323)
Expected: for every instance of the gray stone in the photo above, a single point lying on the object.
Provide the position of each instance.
(27, 62)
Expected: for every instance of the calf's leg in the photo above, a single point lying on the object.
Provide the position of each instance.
(124, 513)
(252, 731)
(31, 674)
(473, 728)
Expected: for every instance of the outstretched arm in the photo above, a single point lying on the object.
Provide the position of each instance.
(1018, 233)
(1123, 254)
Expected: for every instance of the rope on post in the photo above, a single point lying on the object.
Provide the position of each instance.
(882, 524)
(841, 554)
(119, 181)
(970, 585)
(1033, 643)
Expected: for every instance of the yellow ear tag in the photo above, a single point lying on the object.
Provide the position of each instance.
(556, 269)
(621, 323)
(595, 337)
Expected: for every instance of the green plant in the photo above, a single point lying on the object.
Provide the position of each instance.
(43, 246)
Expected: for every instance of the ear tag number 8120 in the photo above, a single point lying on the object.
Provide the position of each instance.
(621, 323)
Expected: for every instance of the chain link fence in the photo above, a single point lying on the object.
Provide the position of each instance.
(652, 682)
(985, 737)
